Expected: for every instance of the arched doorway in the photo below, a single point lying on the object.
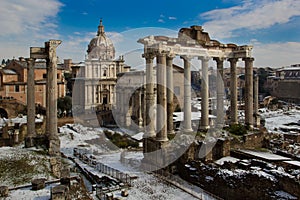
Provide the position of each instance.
(3, 113)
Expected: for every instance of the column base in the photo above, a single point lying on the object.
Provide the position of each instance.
(162, 139)
(29, 142)
(187, 130)
(172, 132)
(234, 123)
(204, 127)
(151, 134)
(140, 123)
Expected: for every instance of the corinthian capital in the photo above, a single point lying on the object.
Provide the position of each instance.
(204, 58)
(149, 55)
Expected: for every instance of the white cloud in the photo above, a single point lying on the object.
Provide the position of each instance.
(252, 14)
(18, 16)
(172, 18)
(276, 54)
(26, 23)
(115, 37)
(161, 21)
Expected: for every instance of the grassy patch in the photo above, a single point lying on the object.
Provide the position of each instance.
(121, 141)
(20, 167)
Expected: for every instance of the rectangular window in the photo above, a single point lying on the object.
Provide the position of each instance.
(17, 88)
(44, 75)
(177, 90)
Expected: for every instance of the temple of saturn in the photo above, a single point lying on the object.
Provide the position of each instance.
(193, 43)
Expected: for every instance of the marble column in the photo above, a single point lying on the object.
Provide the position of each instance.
(170, 94)
(161, 114)
(54, 143)
(255, 88)
(122, 107)
(256, 103)
(249, 92)
(127, 106)
(150, 121)
(220, 92)
(140, 118)
(30, 104)
(233, 92)
(187, 111)
(204, 94)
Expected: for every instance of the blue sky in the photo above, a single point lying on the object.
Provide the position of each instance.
(271, 26)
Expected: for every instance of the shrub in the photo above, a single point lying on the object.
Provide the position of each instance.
(237, 129)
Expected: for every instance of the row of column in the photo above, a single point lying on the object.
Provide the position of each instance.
(164, 109)
(164, 78)
(248, 92)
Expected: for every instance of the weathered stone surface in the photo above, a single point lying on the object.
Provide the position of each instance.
(54, 147)
(59, 192)
(38, 184)
(29, 142)
(109, 196)
(65, 172)
(4, 191)
(55, 163)
(124, 193)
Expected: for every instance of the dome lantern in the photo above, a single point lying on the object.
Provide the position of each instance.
(101, 47)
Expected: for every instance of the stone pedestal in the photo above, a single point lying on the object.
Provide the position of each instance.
(55, 163)
(29, 142)
(124, 193)
(38, 184)
(4, 191)
(54, 146)
(154, 154)
(59, 192)
(65, 177)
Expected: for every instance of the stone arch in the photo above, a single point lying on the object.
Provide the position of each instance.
(3, 113)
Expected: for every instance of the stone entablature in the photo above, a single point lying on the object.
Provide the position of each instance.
(185, 45)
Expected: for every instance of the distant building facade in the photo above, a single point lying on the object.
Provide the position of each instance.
(285, 84)
(13, 81)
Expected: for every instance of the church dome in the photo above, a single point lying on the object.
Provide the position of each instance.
(101, 47)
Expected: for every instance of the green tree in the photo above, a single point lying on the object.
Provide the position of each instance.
(68, 78)
(64, 105)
